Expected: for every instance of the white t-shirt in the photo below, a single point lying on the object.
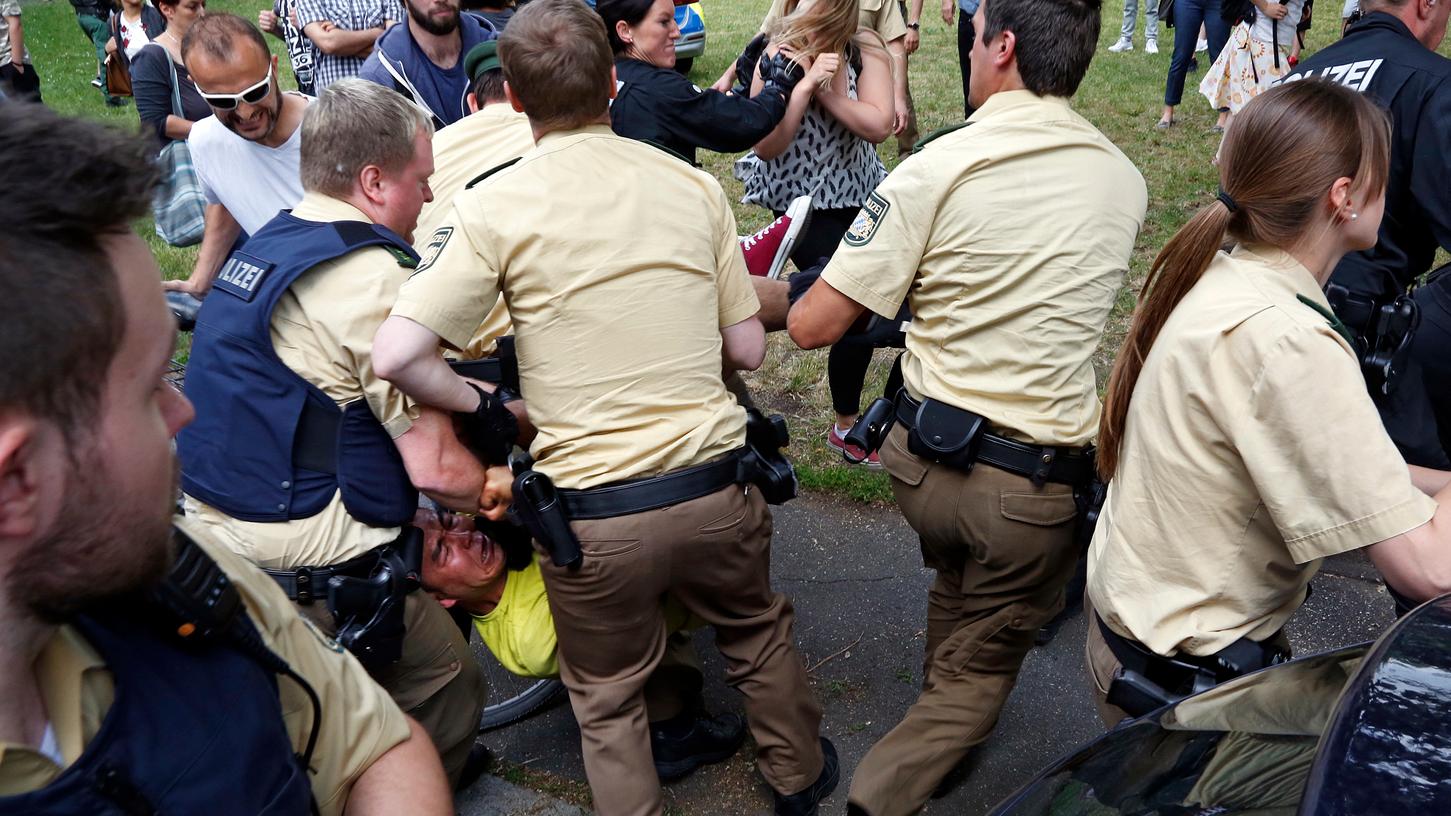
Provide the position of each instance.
(133, 35)
(252, 181)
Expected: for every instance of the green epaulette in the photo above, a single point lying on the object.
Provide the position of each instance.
(1335, 322)
(936, 134)
(403, 258)
(480, 177)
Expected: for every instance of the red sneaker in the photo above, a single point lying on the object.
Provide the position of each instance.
(766, 251)
(853, 454)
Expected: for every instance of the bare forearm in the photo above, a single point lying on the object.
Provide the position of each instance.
(405, 353)
(784, 133)
(221, 232)
(17, 40)
(177, 127)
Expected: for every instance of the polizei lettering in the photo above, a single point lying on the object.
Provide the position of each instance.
(1355, 75)
(240, 275)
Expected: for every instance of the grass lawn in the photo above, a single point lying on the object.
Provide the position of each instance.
(1122, 95)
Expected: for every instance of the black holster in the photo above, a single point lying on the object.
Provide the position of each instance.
(870, 430)
(538, 507)
(764, 464)
(369, 608)
(1383, 330)
(1146, 681)
(500, 369)
(1089, 498)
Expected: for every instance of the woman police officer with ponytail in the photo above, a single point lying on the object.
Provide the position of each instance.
(1237, 432)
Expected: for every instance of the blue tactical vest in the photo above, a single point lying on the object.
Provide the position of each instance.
(191, 731)
(267, 445)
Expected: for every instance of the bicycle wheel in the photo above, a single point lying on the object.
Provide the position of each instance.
(513, 698)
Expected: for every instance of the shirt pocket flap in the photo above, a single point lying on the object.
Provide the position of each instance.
(1039, 509)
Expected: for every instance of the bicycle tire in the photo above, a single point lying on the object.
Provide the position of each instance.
(541, 695)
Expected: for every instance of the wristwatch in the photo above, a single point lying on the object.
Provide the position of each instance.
(915, 26)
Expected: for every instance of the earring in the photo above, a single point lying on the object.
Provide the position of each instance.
(1354, 216)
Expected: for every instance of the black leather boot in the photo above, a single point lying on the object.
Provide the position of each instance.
(692, 739)
(803, 803)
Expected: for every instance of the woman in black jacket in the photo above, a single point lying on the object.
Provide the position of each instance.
(656, 104)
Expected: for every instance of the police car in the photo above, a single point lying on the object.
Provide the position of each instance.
(1360, 730)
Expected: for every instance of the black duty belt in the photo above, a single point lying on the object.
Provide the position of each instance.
(1041, 463)
(1185, 674)
(639, 495)
(307, 584)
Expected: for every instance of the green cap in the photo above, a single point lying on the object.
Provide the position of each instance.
(481, 58)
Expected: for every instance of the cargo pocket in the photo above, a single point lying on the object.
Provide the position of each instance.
(1038, 509)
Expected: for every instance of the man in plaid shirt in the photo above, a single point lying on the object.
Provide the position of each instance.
(344, 32)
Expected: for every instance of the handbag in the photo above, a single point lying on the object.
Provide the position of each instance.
(179, 206)
(118, 79)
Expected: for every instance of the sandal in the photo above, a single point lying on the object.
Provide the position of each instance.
(1164, 124)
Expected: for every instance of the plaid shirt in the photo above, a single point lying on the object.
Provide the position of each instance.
(354, 15)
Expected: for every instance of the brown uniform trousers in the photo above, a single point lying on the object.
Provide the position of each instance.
(436, 681)
(713, 554)
(1003, 551)
(1102, 666)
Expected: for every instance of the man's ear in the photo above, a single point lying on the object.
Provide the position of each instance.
(513, 98)
(1006, 50)
(370, 183)
(473, 101)
(20, 479)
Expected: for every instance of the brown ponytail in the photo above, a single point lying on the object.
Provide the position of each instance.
(1281, 155)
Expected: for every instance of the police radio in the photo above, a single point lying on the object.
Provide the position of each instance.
(1383, 333)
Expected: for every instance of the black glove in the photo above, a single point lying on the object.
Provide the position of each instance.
(490, 431)
(780, 74)
(745, 64)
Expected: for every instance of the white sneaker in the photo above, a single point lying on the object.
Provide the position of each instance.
(1151, 46)
(1124, 44)
(1202, 45)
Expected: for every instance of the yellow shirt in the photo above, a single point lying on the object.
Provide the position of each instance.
(619, 264)
(323, 329)
(520, 630)
(1010, 237)
(462, 152)
(1251, 452)
(881, 16)
(360, 723)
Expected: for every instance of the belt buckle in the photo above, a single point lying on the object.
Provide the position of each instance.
(303, 579)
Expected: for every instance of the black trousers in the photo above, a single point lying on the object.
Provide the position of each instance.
(965, 35)
(1418, 415)
(17, 85)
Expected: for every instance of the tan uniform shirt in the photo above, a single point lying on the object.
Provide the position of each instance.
(462, 152)
(1251, 452)
(323, 329)
(617, 298)
(881, 16)
(360, 723)
(1011, 237)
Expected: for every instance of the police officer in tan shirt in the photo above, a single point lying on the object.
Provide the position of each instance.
(105, 705)
(624, 316)
(364, 191)
(999, 401)
(1242, 446)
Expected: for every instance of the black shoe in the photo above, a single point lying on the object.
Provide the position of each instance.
(480, 760)
(804, 802)
(687, 741)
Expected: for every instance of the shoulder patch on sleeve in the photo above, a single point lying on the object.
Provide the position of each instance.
(431, 250)
(873, 212)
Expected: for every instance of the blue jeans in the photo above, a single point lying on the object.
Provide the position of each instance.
(1188, 14)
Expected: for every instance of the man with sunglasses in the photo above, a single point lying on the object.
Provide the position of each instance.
(246, 155)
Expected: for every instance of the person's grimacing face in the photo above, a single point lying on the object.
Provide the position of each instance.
(247, 66)
(653, 38)
(462, 568)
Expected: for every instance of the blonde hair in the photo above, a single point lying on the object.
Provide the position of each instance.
(353, 124)
(824, 27)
